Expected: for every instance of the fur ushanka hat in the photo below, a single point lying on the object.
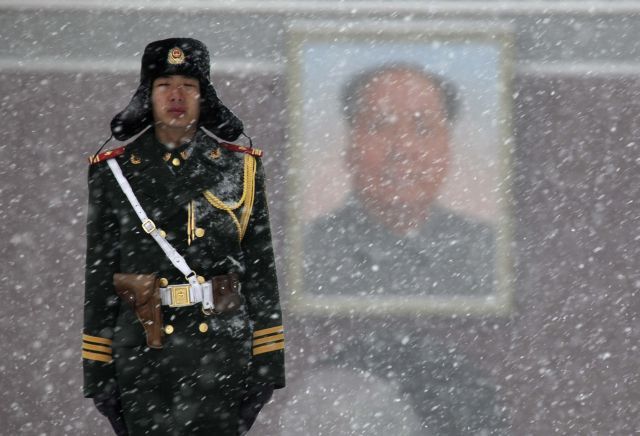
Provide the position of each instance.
(183, 56)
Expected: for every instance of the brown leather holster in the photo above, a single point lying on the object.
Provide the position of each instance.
(142, 292)
(226, 293)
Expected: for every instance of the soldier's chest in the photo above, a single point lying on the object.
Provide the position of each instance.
(197, 205)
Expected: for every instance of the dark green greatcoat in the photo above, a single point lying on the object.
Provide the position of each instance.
(193, 385)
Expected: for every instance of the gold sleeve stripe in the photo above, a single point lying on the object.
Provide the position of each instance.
(96, 356)
(273, 338)
(267, 348)
(97, 339)
(91, 347)
(263, 332)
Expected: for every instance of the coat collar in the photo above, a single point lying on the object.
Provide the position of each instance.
(164, 193)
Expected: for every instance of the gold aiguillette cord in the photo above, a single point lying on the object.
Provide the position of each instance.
(191, 221)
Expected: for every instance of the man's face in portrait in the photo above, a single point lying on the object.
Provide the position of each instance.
(176, 101)
(399, 152)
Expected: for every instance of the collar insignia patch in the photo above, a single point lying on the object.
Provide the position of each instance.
(215, 153)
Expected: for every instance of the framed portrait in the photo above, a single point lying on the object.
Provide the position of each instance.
(400, 140)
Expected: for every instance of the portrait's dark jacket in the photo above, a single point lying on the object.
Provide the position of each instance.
(117, 243)
(348, 253)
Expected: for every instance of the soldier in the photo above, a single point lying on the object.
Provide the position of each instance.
(164, 352)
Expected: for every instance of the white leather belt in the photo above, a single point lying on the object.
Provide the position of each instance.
(187, 295)
(149, 226)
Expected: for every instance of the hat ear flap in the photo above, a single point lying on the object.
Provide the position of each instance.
(217, 118)
(135, 117)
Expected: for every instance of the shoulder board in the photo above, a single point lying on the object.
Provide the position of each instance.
(107, 155)
(242, 149)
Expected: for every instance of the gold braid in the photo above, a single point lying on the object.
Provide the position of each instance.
(247, 198)
(248, 201)
(191, 222)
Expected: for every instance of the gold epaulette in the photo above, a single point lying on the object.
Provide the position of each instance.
(107, 155)
(242, 149)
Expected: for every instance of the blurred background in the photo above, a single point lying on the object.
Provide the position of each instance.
(560, 357)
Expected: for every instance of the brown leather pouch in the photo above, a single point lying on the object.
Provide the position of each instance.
(226, 293)
(142, 292)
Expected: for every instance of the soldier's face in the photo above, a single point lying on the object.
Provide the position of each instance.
(176, 102)
(399, 151)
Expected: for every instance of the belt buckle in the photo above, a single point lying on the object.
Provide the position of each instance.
(180, 295)
(148, 226)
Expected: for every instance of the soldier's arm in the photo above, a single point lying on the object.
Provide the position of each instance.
(260, 287)
(100, 302)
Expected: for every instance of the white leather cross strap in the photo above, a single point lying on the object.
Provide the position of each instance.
(149, 227)
(185, 295)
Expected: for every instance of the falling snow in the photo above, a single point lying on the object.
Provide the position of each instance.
(515, 312)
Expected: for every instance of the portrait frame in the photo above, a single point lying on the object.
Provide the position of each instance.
(321, 57)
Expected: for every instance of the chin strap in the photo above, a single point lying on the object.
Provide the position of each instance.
(249, 138)
(101, 147)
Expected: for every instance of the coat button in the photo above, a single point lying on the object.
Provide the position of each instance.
(163, 233)
(164, 282)
(168, 329)
(201, 279)
(175, 162)
(199, 232)
(203, 327)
